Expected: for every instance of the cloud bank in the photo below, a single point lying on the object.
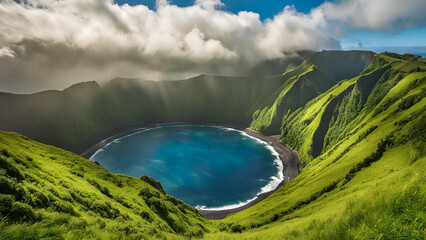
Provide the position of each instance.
(375, 15)
(48, 44)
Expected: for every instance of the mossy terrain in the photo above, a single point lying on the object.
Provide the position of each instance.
(367, 180)
(318, 73)
(361, 137)
(47, 192)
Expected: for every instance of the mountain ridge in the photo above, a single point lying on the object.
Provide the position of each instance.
(127, 101)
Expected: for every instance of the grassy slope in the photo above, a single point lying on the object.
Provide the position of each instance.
(57, 194)
(318, 73)
(367, 181)
(362, 186)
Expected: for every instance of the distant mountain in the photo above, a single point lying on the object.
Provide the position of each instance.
(67, 118)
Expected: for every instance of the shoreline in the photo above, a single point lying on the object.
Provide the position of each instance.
(291, 168)
(88, 147)
(289, 158)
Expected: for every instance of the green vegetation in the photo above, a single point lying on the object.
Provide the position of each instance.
(367, 180)
(361, 135)
(46, 192)
(318, 73)
(153, 183)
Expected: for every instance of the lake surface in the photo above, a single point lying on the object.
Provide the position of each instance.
(209, 167)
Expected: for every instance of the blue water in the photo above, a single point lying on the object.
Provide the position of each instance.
(210, 167)
(423, 55)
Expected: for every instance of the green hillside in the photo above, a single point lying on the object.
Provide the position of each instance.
(363, 143)
(46, 192)
(360, 131)
(318, 73)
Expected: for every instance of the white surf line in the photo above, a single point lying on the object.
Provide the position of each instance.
(116, 140)
(138, 130)
(272, 185)
(227, 207)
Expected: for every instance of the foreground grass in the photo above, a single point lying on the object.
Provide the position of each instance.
(47, 192)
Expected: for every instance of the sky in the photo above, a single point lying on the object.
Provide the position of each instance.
(409, 39)
(266, 9)
(52, 44)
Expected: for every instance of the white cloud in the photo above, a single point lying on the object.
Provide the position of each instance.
(375, 15)
(295, 31)
(209, 4)
(53, 43)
